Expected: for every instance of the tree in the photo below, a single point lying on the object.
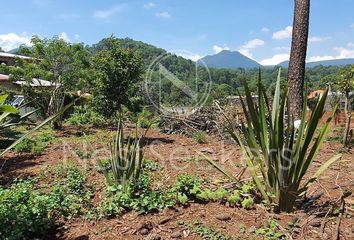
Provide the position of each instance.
(64, 65)
(117, 74)
(346, 86)
(296, 72)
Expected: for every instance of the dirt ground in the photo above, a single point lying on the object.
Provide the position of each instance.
(178, 155)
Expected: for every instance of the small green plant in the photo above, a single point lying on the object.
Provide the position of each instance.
(274, 146)
(142, 199)
(187, 185)
(208, 233)
(271, 231)
(199, 137)
(25, 213)
(126, 160)
(28, 146)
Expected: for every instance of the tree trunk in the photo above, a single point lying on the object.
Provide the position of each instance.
(296, 72)
(347, 119)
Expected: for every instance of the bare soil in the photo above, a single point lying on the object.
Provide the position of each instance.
(176, 155)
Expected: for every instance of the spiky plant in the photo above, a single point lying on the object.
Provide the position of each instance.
(278, 149)
(126, 160)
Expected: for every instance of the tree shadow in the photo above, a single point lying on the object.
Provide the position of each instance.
(10, 167)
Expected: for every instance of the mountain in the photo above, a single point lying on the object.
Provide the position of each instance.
(326, 63)
(228, 59)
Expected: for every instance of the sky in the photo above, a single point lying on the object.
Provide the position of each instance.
(259, 29)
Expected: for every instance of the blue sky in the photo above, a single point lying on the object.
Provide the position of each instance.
(260, 29)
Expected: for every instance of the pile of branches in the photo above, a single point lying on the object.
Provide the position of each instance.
(208, 119)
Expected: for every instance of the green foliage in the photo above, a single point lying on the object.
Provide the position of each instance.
(85, 115)
(28, 212)
(35, 145)
(117, 74)
(70, 193)
(234, 198)
(126, 160)
(142, 199)
(208, 233)
(273, 145)
(9, 115)
(271, 232)
(63, 64)
(247, 202)
(146, 119)
(199, 137)
(24, 212)
(187, 185)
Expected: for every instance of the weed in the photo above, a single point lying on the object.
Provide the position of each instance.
(271, 231)
(25, 213)
(199, 137)
(208, 233)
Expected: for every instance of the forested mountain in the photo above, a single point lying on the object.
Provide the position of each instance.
(326, 63)
(228, 59)
(223, 81)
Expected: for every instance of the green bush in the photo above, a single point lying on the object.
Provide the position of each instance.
(35, 145)
(27, 146)
(85, 115)
(25, 212)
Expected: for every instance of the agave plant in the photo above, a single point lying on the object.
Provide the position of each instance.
(279, 148)
(126, 160)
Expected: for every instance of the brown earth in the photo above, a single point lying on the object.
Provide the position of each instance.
(178, 155)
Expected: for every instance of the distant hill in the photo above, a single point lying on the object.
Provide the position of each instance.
(326, 63)
(229, 59)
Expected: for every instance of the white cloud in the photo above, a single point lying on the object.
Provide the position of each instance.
(163, 14)
(106, 13)
(265, 29)
(245, 49)
(341, 53)
(318, 39)
(351, 44)
(218, 49)
(276, 59)
(64, 36)
(283, 34)
(10, 41)
(320, 58)
(193, 57)
(149, 5)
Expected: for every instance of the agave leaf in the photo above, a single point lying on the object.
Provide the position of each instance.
(49, 119)
(323, 167)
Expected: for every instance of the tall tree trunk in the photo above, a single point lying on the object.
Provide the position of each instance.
(347, 119)
(296, 72)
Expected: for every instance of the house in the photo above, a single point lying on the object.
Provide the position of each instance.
(10, 59)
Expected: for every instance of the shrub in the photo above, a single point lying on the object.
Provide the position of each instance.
(85, 115)
(26, 146)
(24, 212)
(273, 145)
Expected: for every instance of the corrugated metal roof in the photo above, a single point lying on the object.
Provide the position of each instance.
(10, 55)
(36, 82)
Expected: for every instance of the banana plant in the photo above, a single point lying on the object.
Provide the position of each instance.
(278, 148)
(9, 115)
